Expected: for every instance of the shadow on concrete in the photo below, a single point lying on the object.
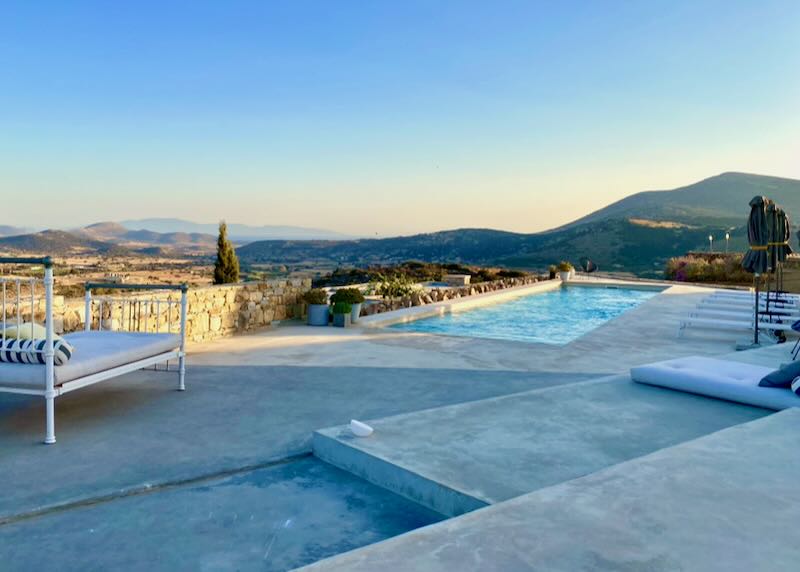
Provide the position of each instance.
(137, 431)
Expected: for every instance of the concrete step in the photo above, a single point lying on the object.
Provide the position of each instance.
(458, 458)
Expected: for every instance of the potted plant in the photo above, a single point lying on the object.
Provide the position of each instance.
(564, 270)
(342, 312)
(317, 300)
(552, 271)
(352, 296)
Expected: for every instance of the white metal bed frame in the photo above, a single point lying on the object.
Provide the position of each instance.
(51, 391)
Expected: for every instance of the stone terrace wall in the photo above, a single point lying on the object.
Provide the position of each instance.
(443, 294)
(212, 312)
(219, 311)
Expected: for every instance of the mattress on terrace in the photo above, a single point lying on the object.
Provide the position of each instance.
(94, 352)
(734, 381)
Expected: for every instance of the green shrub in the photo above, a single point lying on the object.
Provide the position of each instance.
(226, 267)
(512, 274)
(565, 266)
(349, 295)
(316, 296)
(393, 286)
(342, 308)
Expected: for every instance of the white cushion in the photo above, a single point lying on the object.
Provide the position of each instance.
(26, 331)
(718, 378)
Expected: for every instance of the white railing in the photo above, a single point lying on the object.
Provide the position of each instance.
(157, 312)
(23, 299)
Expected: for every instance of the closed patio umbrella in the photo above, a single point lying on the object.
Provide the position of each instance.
(773, 246)
(773, 239)
(755, 260)
(786, 248)
(784, 236)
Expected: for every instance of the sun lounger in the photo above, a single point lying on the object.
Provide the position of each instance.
(733, 381)
(151, 332)
(772, 296)
(748, 304)
(733, 324)
(742, 314)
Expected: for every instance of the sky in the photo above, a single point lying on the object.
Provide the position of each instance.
(385, 117)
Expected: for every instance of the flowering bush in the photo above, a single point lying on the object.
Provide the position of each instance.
(722, 269)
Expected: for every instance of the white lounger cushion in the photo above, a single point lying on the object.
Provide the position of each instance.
(94, 352)
(722, 379)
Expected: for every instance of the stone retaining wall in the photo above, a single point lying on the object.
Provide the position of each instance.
(212, 312)
(219, 311)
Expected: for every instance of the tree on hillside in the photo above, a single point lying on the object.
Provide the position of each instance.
(226, 268)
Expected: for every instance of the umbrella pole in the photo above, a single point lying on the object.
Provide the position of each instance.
(755, 323)
(769, 287)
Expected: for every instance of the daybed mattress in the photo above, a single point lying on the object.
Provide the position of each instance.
(722, 379)
(94, 352)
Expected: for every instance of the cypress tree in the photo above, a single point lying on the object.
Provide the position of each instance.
(226, 268)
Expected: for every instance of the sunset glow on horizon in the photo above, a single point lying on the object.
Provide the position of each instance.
(388, 117)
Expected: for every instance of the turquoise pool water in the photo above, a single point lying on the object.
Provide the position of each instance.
(555, 317)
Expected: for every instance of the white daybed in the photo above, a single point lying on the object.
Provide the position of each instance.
(733, 381)
(158, 336)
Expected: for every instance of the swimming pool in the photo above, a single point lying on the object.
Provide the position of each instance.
(554, 317)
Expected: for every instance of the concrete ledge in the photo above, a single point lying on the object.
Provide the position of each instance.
(457, 458)
(455, 305)
(724, 502)
(331, 446)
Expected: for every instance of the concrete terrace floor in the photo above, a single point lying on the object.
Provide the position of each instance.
(489, 451)
(644, 334)
(131, 445)
(728, 501)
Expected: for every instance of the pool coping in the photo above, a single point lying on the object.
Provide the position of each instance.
(443, 308)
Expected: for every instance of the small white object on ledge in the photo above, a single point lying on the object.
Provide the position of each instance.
(360, 429)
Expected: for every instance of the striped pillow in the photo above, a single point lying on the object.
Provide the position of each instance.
(32, 351)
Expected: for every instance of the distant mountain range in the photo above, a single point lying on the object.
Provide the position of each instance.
(717, 200)
(108, 238)
(237, 232)
(58, 242)
(637, 234)
(117, 233)
(146, 236)
(6, 230)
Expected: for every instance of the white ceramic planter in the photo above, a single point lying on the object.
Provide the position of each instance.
(355, 313)
(564, 276)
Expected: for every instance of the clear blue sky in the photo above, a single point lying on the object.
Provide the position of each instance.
(385, 117)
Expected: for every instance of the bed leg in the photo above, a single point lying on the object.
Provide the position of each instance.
(181, 373)
(50, 435)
